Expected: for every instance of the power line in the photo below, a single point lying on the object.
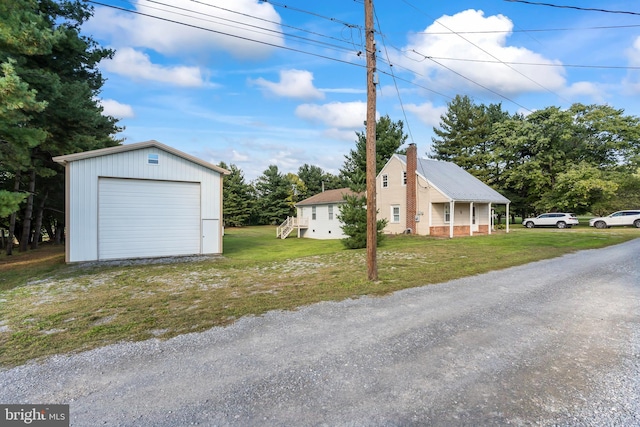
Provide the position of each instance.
(613, 67)
(531, 30)
(473, 81)
(195, 15)
(589, 9)
(488, 53)
(328, 18)
(223, 33)
(395, 82)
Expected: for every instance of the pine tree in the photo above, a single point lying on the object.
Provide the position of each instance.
(237, 198)
(272, 190)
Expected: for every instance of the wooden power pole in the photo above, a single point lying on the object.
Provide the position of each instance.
(372, 229)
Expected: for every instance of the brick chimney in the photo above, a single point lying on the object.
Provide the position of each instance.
(412, 164)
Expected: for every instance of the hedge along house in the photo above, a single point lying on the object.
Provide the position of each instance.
(317, 216)
(431, 197)
(141, 200)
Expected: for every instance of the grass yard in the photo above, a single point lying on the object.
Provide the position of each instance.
(47, 307)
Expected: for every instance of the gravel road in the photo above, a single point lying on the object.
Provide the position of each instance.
(554, 342)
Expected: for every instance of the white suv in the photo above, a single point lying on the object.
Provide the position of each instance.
(554, 219)
(617, 218)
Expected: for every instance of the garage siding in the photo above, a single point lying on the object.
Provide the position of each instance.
(147, 218)
(82, 185)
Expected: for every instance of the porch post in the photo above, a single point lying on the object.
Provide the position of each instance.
(471, 219)
(452, 214)
(507, 217)
(490, 222)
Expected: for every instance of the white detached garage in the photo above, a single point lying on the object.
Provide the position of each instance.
(141, 200)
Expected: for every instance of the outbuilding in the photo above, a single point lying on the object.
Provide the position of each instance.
(141, 200)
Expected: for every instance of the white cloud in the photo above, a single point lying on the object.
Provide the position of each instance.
(585, 89)
(138, 66)
(218, 25)
(292, 84)
(237, 157)
(341, 134)
(631, 82)
(485, 48)
(115, 109)
(427, 112)
(340, 115)
(633, 53)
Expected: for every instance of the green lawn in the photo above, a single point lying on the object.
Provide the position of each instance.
(47, 307)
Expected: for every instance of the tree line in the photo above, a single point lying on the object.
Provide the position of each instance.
(49, 87)
(273, 195)
(585, 159)
(582, 159)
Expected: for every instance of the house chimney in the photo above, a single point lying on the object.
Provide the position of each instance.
(412, 164)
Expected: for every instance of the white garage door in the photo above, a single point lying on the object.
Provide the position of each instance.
(144, 218)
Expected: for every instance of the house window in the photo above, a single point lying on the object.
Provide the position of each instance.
(153, 159)
(395, 214)
(447, 213)
(404, 178)
(385, 181)
(330, 212)
(313, 212)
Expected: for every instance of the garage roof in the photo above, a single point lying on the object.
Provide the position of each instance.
(137, 146)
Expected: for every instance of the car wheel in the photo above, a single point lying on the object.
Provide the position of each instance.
(600, 224)
(529, 224)
(636, 223)
(561, 224)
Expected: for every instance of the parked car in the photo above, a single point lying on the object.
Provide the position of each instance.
(617, 218)
(553, 219)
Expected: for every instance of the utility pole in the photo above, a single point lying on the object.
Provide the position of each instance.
(372, 229)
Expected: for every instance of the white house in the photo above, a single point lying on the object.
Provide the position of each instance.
(139, 201)
(317, 216)
(436, 198)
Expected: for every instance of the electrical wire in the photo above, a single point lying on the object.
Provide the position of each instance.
(589, 9)
(225, 34)
(486, 52)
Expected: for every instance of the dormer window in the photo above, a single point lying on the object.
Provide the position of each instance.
(153, 159)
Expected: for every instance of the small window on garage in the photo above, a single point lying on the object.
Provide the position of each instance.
(313, 213)
(153, 159)
(330, 212)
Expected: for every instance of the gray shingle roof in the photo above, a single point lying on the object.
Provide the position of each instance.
(455, 182)
(328, 196)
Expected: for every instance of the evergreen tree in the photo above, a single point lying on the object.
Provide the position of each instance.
(389, 138)
(63, 72)
(273, 190)
(315, 179)
(237, 198)
(464, 136)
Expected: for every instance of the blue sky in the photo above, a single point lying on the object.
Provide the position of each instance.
(256, 83)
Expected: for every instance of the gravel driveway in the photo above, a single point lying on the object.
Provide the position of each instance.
(555, 342)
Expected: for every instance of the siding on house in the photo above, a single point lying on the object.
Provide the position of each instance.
(323, 227)
(439, 186)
